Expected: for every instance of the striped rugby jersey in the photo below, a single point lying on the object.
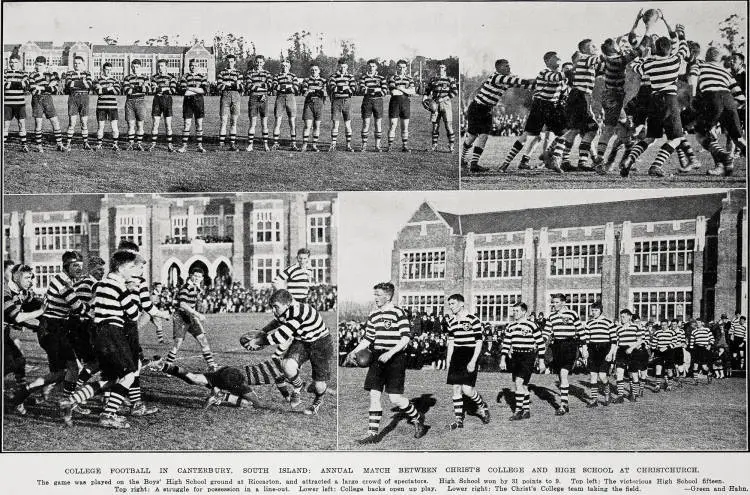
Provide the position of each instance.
(661, 338)
(188, 294)
(297, 281)
(13, 300)
(584, 72)
(300, 322)
(258, 82)
(145, 303)
(15, 83)
(662, 72)
(523, 336)
(442, 88)
(701, 337)
(628, 335)
(194, 81)
(61, 298)
(47, 82)
(565, 325)
(113, 302)
(316, 86)
(549, 85)
(465, 331)
(373, 86)
(395, 81)
(285, 84)
(714, 78)
(78, 82)
(229, 80)
(738, 330)
(601, 330)
(386, 326)
(693, 66)
(678, 337)
(342, 85)
(614, 69)
(164, 84)
(107, 88)
(496, 85)
(134, 85)
(85, 289)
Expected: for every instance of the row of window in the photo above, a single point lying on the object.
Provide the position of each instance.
(119, 64)
(671, 255)
(648, 304)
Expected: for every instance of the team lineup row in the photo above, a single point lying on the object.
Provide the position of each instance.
(602, 344)
(87, 324)
(258, 83)
(562, 97)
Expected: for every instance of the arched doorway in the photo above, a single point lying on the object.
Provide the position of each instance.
(174, 276)
(223, 275)
(202, 267)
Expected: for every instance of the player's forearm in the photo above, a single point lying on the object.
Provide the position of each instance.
(477, 351)
(400, 346)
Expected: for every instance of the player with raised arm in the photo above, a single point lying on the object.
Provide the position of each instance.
(107, 87)
(464, 347)
(258, 83)
(314, 91)
(479, 113)
(401, 86)
(15, 84)
(163, 85)
(194, 86)
(43, 85)
(78, 83)
(523, 344)
(341, 88)
(388, 333)
(441, 89)
(285, 88)
(229, 83)
(373, 87)
(135, 86)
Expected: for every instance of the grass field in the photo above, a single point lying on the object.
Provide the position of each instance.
(182, 423)
(283, 170)
(702, 417)
(497, 148)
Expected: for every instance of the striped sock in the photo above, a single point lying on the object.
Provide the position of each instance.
(681, 157)
(520, 396)
(58, 136)
(334, 137)
(185, 137)
(458, 409)
(169, 139)
(561, 148)
(685, 147)
(265, 373)
(38, 137)
(250, 137)
(209, 357)
(70, 137)
(115, 138)
(154, 137)
(373, 423)
(85, 393)
(640, 386)
(620, 387)
(134, 392)
(567, 147)
(171, 356)
(232, 138)
(477, 399)
(199, 137)
(601, 147)
(265, 137)
(391, 139)
(222, 138)
(316, 137)
(99, 140)
(115, 400)
(83, 377)
(564, 395)
(411, 412)
(348, 138)
(636, 151)
(603, 390)
(517, 147)
(296, 382)
(664, 153)
(131, 138)
(476, 154)
(584, 154)
(527, 401)
(451, 137)
(378, 138)
(275, 138)
(364, 140)
(435, 134)
(138, 137)
(465, 151)
(405, 139)
(85, 135)
(293, 137)
(68, 388)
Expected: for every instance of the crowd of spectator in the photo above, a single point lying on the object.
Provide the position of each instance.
(428, 345)
(231, 297)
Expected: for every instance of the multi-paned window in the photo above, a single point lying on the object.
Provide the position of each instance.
(174, 64)
(319, 229)
(663, 303)
(147, 64)
(62, 237)
(43, 275)
(578, 301)
(267, 225)
(495, 307)
(499, 263)
(320, 268)
(266, 269)
(201, 65)
(423, 265)
(179, 228)
(576, 259)
(208, 226)
(663, 255)
(428, 303)
(130, 228)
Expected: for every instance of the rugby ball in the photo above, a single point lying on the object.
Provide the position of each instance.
(363, 358)
(429, 105)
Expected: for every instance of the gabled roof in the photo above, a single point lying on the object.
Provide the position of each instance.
(636, 211)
